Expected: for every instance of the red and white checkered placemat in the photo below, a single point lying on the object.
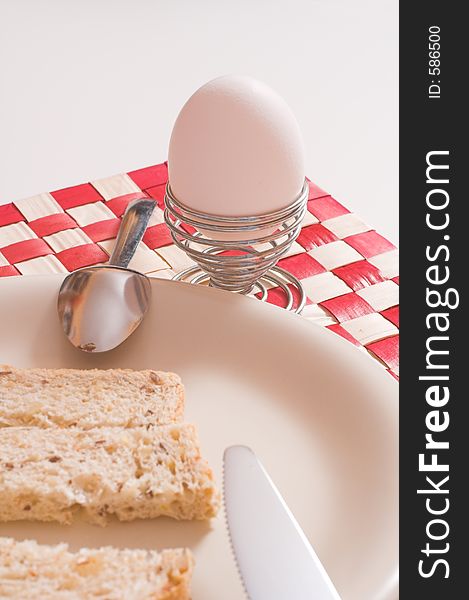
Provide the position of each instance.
(348, 270)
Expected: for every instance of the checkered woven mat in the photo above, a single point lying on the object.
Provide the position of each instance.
(349, 271)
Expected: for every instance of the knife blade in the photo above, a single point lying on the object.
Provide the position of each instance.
(274, 557)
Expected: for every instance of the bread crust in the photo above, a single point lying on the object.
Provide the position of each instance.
(89, 398)
(32, 570)
(97, 445)
(58, 475)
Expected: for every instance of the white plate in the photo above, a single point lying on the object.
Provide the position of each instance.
(321, 415)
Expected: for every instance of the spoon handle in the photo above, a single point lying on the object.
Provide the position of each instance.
(132, 228)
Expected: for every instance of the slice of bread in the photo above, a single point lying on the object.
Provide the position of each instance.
(89, 398)
(30, 570)
(144, 472)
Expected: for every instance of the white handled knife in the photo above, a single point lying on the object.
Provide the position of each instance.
(274, 557)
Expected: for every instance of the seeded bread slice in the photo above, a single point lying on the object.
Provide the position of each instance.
(89, 398)
(53, 474)
(30, 570)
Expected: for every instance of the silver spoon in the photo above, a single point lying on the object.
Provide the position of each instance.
(99, 307)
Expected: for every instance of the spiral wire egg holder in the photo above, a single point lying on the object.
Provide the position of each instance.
(246, 266)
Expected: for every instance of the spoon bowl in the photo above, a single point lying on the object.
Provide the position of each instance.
(100, 306)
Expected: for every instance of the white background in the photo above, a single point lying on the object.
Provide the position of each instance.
(92, 88)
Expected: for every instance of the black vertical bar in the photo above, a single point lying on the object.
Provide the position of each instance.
(434, 267)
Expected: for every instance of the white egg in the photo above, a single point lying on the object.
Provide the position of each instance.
(236, 150)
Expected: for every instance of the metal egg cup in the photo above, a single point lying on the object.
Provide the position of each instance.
(244, 266)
